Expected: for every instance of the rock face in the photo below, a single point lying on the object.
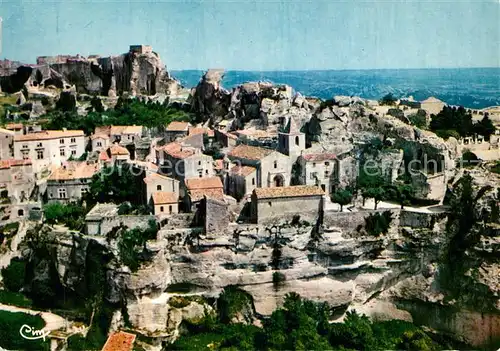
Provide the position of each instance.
(138, 73)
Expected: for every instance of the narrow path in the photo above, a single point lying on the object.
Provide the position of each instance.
(52, 321)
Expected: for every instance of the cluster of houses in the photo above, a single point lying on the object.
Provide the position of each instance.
(176, 172)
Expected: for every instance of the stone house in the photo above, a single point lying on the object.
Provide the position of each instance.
(120, 134)
(155, 182)
(49, 147)
(198, 188)
(6, 144)
(99, 142)
(176, 130)
(320, 169)
(273, 168)
(165, 202)
(17, 180)
(17, 128)
(180, 161)
(118, 154)
(70, 182)
(240, 181)
(304, 200)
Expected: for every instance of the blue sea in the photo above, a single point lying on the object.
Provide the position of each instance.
(469, 87)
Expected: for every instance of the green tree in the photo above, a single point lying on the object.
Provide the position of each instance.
(452, 118)
(13, 275)
(485, 127)
(342, 197)
(419, 119)
(71, 215)
(388, 99)
(117, 184)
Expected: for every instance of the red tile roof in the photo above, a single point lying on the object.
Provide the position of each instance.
(176, 150)
(49, 134)
(118, 150)
(197, 195)
(319, 157)
(156, 176)
(5, 164)
(164, 197)
(178, 126)
(248, 152)
(203, 183)
(74, 170)
(119, 341)
(288, 191)
(242, 170)
(14, 126)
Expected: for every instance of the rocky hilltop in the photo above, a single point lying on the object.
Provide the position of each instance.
(138, 72)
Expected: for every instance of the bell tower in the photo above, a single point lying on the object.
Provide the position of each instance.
(291, 141)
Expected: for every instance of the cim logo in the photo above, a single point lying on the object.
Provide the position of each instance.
(30, 333)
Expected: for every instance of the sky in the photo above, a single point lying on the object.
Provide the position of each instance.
(261, 35)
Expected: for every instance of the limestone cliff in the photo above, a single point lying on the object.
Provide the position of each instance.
(135, 72)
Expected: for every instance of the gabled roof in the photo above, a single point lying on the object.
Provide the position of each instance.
(203, 183)
(103, 156)
(49, 134)
(119, 341)
(74, 170)
(156, 176)
(288, 191)
(178, 126)
(242, 170)
(248, 152)
(197, 195)
(116, 150)
(99, 136)
(164, 197)
(176, 150)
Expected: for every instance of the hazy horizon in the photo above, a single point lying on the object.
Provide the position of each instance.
(278, 35)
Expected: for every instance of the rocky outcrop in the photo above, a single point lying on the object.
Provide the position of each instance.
(209, 100)
(136, 72)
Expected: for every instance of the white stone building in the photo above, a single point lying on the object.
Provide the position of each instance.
(49, 147)
(320, 169)
(155, 182)
(304, 200)
(165, 203)
(273, 168)
(17, 180)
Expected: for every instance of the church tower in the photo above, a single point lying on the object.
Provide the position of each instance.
(291, 141)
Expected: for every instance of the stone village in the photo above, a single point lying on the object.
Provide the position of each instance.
(258, 165)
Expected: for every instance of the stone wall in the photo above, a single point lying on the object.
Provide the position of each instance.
(131, 222)
(349, 221)
(217, 216)
(417, 219)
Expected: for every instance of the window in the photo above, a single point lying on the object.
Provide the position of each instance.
(99, 143)
(73, 152)
(206, 171)
(61, 141)
(161, 208)
(253, 181)
(170, 209)
(62, 152)
(62, 193)
(38, 144)
(297, 140)
(314, 175)
(314, 164)
(25, 155)
(20, 212)
(39, 155)
(327, 164)
(158, 187)
(275, 164)
(25, 146)
(327, 174)
(199, 163)
(200, 174)
(323, 187)
(270, 203)
(73, 140)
